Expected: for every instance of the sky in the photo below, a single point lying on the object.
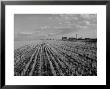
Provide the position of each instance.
(54, 26)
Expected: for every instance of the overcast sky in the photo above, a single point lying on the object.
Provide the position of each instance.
(39, 26)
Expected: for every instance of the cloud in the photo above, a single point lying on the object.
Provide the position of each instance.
(26, 33)
(92, 18)
(49, 25)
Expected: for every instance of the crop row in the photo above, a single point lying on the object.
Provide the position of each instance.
(56, 58)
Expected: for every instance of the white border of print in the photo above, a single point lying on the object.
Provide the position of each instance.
(100, 79)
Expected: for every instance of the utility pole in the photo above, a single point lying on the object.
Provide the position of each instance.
(76, 36)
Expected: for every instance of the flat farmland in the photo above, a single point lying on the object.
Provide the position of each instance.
(55, 58)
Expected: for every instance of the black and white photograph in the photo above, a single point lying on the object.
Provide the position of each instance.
(55, 45)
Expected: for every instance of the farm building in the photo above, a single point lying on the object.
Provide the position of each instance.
(64, 38)
(72, 39)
